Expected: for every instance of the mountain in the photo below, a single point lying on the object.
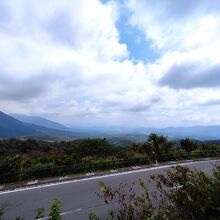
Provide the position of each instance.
(209, 132)
(28, 126)
(11, 127)
(197, 132)
(40, 122)
(139, 134)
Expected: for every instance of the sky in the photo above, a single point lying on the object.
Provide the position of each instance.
(128, 63)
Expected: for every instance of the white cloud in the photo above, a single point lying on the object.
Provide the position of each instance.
(187, 35)
(64, 60)
(177, 25)
(58, 39)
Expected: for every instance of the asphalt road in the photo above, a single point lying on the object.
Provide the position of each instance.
(78, 196)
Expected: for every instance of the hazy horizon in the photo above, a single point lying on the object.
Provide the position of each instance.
(131, 63)
(35, 118)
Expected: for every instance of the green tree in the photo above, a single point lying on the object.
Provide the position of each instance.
(157, 144)
(125, 202)
(188, 145)
(55, 210)
(188, 194)
(1, 213)
(40, 213)
(19, 218)
(182, 194)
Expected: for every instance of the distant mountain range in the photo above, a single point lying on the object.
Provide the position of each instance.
(17, 125)
(11, 127)
(40, 121)
(194, 132)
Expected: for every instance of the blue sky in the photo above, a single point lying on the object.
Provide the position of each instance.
(139, 47)
(128, 63)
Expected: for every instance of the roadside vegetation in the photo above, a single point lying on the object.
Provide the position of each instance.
(17, 155)
(54, 212)
(181, 194)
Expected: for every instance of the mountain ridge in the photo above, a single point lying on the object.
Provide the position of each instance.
(35, 120)
(12, 127)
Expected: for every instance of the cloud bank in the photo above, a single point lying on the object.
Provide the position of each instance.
(66, 60)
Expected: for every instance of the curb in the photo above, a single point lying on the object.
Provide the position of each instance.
(30, 184)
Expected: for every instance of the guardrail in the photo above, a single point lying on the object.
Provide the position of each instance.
(101, 166)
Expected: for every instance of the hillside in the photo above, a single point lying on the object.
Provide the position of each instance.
(40, 121)
(11, 127)
(195, 132)
(28, 126)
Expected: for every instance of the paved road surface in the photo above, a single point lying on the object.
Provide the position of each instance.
(77, 196)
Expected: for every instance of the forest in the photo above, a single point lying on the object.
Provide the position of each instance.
(18, 155)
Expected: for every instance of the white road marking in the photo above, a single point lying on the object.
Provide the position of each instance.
(90, 174)
(63, 177)
(177, 187)
(113, 171)
(63, 213)
(136, 167)
(32, 182)
(103, 176)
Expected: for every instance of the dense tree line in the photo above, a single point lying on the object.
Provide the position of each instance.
(17, 155)
(26, 154)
